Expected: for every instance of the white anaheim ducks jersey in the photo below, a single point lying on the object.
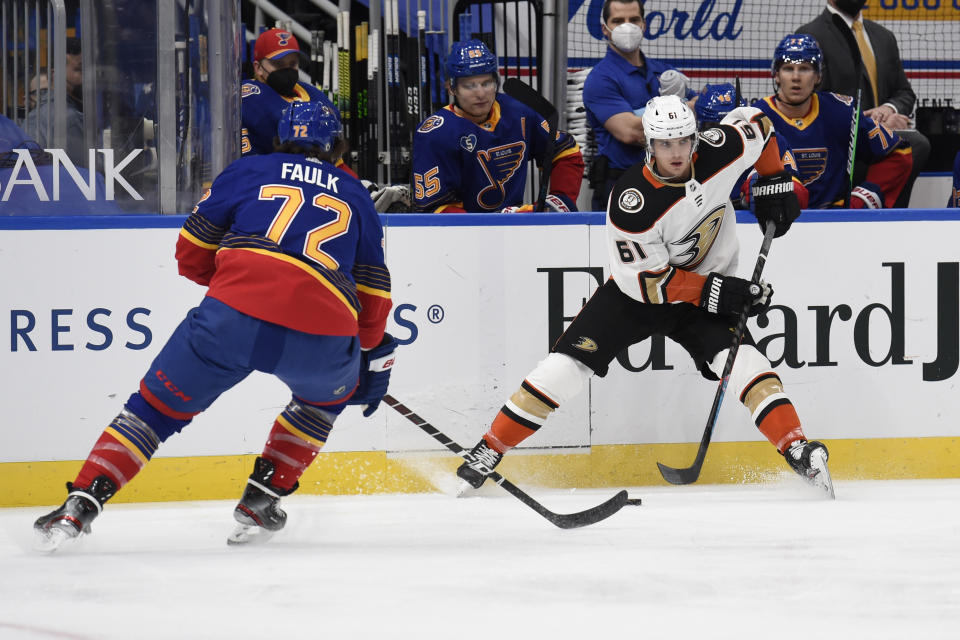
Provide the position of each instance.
(658, 232)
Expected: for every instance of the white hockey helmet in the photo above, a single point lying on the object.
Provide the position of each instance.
(667, 117)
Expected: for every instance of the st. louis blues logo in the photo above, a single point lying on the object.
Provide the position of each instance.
(499, 164)
(811, 163)
(469, 143)
(847, 100)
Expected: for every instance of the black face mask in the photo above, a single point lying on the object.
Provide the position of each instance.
(850, 7)
(283, 81)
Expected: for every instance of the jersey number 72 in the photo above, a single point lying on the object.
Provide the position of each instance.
(293, 201)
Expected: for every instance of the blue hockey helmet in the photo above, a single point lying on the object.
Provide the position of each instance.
(716, 101)
(470, 58)
(310, 123)
(796, 48)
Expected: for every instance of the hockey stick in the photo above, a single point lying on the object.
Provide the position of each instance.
(522, 92)
(564, 521)
(855, 120)
(421, 64)
(691, 473)
(343, 67)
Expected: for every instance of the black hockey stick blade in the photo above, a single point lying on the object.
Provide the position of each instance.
(562, 520)
(522, 92)
(691, 474)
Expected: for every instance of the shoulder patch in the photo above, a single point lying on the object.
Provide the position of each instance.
(431, 123)
(630, 201)
(248, 89)
(847, 100)
(636, 204)
(714, 137)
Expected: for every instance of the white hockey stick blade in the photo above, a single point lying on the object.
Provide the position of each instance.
(249, 534)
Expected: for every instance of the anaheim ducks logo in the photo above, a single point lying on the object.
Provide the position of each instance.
(714, 137)
(585, 344)
(699, 240)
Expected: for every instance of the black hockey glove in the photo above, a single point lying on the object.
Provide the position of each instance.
(774, 200)
(375, 366)
(728, 295)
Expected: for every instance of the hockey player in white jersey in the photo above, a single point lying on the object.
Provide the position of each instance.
(673, 251)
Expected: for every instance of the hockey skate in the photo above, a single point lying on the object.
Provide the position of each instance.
(74, 516)
(258, 513)
(479, 463)
(809, 460)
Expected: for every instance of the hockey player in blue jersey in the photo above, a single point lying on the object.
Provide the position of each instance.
(713, 103)
(275, 85)
(472, 155)
(817, 125)
(291, 252)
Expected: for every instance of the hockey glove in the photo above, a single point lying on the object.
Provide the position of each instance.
(375, 366)
(866, 196)
(774, 201)
(552, 203)
(389, 198)
(728, 295)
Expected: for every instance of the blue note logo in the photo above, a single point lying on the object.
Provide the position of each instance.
(811, 163)
(499, 165)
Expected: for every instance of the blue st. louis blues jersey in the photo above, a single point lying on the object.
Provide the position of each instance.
(260, 111)
(820, 143)
(293, 241)
(480, 167)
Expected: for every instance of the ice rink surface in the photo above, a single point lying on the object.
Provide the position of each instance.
(757, 561)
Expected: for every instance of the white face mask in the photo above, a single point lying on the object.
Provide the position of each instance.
(626, 37)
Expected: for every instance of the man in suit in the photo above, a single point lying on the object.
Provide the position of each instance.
(886, 95)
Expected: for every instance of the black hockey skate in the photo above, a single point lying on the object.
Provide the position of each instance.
(74, 516)
(479, 463)
(809, 460)
(258, 513)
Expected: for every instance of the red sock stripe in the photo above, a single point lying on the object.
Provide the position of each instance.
(112, 458)
(290, 455)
